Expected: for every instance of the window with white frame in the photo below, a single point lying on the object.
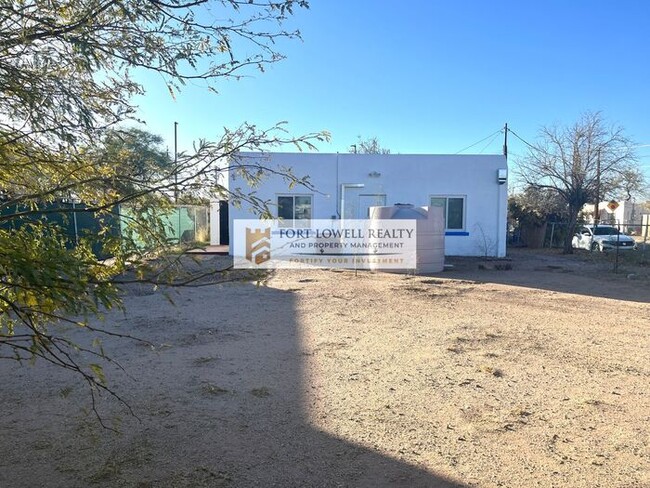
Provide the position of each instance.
(292, 208)
(453, 210)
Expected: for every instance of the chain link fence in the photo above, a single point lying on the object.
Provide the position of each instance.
(552, 235)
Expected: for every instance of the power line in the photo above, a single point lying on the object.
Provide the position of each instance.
(491, 141)
(494, 134)
(522, 139)
(537, 149)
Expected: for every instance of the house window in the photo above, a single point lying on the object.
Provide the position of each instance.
(292, 208)
(454, 210)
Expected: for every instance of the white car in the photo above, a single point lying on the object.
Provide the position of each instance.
(602, 238)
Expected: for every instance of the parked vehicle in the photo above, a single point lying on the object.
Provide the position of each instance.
(602, 238)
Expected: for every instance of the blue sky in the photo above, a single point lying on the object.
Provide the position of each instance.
(432, 76)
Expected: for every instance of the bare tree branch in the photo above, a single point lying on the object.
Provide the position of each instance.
(577, 162)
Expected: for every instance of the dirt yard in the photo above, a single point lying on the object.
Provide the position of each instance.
(537, 375)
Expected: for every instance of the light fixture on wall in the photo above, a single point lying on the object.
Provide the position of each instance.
(374, 174)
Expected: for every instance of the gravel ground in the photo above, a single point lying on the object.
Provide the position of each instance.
(481, 376)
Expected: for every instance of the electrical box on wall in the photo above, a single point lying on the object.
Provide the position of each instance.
(502, 176)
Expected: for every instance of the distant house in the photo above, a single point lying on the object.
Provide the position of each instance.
(471, 189)
(627, 214)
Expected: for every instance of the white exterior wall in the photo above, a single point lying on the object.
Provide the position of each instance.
(625, 213)
(403, 179)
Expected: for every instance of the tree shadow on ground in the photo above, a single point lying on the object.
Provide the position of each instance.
(223, 396)
(552, 271)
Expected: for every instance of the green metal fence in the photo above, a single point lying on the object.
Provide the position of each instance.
(189, 223)
(182, 224)
(72, 217)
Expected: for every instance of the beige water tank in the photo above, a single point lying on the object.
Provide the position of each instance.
(430, 234)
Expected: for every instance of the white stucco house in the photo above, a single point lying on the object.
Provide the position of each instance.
(472, 189)
(626, 213)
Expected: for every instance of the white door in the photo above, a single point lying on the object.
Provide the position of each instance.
(350, 193)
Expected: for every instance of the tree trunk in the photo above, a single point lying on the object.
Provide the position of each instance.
(571, 229)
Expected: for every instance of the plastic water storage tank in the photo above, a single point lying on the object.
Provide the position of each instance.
(430, 230)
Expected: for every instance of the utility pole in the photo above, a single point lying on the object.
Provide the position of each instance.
(596, 209)
(178, 210)
(505, 141)
(175, 162)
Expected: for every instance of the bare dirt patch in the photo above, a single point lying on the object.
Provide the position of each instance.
(534, 374)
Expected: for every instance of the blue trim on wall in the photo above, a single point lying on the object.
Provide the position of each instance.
(456, 233)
